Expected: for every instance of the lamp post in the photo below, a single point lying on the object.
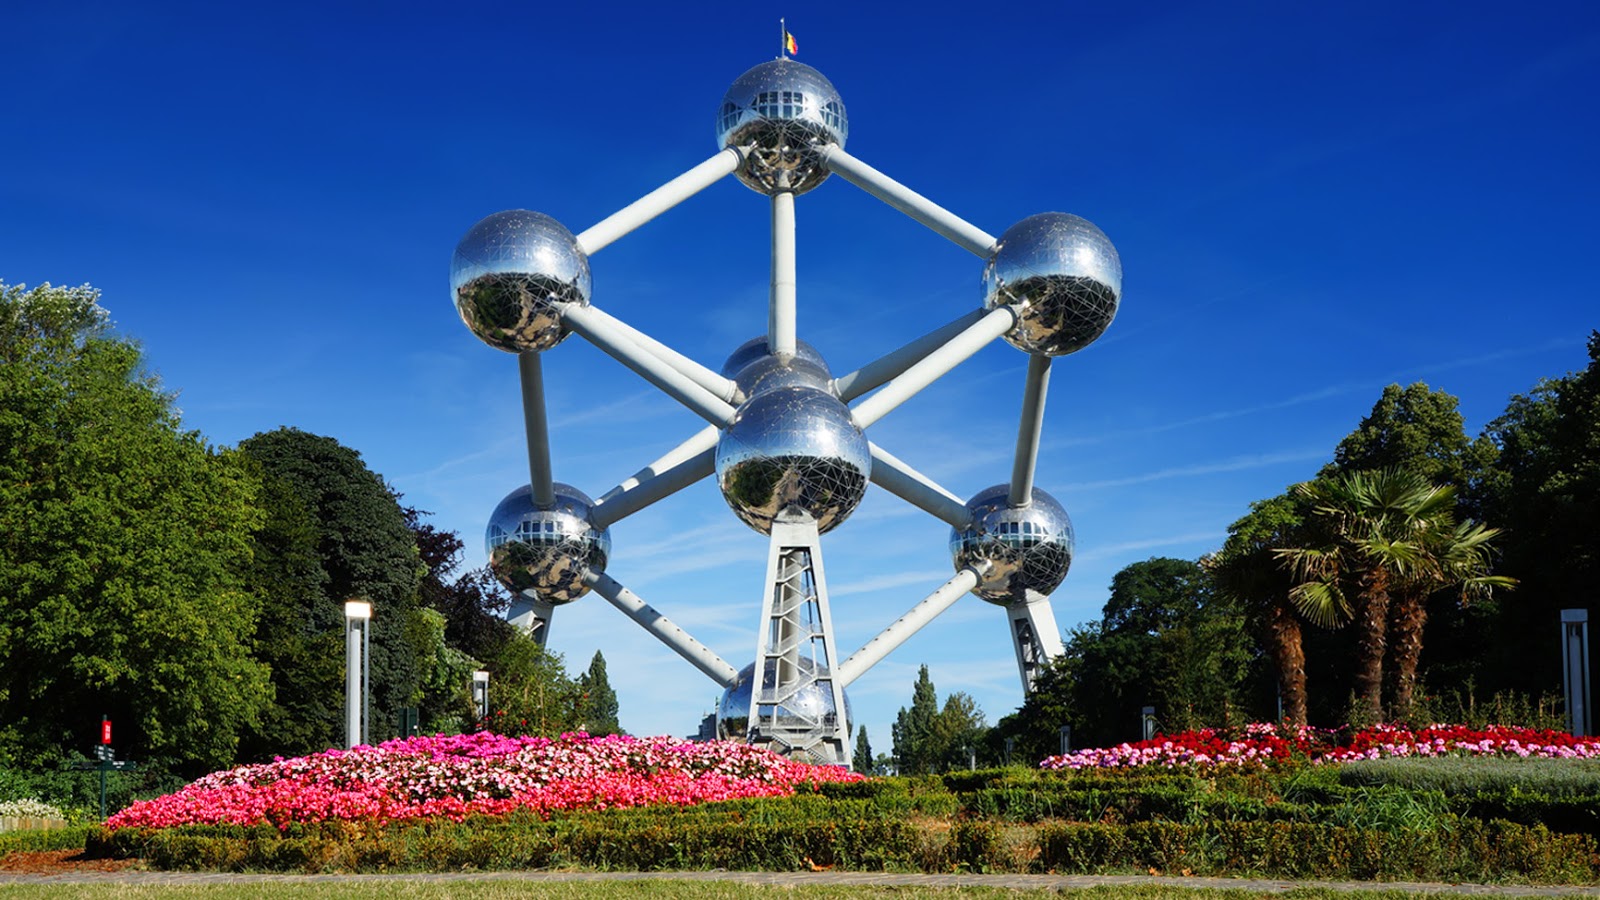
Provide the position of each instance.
(480, 694)
(357, 617)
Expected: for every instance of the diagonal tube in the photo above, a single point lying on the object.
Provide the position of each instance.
(669, 481)
(941, 220)
(530, 371)
(894, 476)
(878, 371)
(658, 201)
(1028, 431)
(722, 388)
(699, 655)
(597, 330)
(927, 370)
(873, 651)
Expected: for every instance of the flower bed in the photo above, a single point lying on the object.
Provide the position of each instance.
(1259, 745)
(478, 774)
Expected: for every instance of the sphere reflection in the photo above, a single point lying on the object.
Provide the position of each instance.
(508, 275)
(802, 711)
(786, 111)
(793, 449)
(546, 552)
(1063, 276)
(1015, 550)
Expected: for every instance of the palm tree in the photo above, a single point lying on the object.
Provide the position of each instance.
(1460, 557)
(1370, 532)
(1246, 570)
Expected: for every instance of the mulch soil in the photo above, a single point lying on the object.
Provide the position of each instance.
(59, 862)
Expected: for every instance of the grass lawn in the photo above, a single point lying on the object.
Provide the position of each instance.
(503, 889)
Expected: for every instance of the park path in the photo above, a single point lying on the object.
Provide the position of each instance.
(804, 879)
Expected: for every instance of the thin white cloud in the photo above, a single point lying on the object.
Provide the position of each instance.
(1237, 464)
(1100, 552)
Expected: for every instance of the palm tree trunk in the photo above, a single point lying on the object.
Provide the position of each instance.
(1372, 623)
(1406, 620)
(1290, 655)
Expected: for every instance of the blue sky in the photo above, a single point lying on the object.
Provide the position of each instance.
(1311, 201)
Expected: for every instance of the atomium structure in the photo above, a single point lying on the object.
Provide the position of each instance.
(786, 439)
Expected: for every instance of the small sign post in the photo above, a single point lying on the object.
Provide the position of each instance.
(105, 760)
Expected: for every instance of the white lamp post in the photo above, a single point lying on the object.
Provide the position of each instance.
(357, 616)
(480, 693)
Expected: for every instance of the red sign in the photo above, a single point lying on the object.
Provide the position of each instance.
(105, 731)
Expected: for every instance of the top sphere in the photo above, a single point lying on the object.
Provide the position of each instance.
(786, 111)
(1063, 276)
(509, 273)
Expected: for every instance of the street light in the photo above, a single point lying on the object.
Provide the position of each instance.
(480, 694)
(357, 617)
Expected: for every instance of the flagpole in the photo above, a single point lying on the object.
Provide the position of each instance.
(783, 39)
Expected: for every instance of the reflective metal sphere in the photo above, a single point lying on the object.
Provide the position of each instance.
(508, 274)
(1016, 550)
(1064, 277)
(805, 707)
(755, 350)
(793, 448)
(787, 111)
(546, 552)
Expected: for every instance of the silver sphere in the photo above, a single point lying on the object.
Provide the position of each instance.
(508, 274)
(755, 350)
(788, 111)
(793, 449)
(755, 370)
(1015, 550)
(545, 553)
(801, 711)
(1064, 278)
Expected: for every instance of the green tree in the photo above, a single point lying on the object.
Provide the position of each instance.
(1415, 428)
(862, 761)
(1368, 533)
(365, 551)
(121, 543)
(1248, 570)
(599, 709)
(1541, 483)
(1456, 557)
(958, 732)
(914, 729)
(530, 691)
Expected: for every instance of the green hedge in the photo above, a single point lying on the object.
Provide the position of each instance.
(1468, 775)
(69, 838)
(1464, 850)
(1457, 850)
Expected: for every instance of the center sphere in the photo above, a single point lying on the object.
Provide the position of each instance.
(793, 449)
(786, 112)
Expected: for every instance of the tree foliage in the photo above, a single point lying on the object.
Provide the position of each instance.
(862, 760)
(348, 539)
(121, 538)
(599, 709)
(1541, 484)
(929, 739)
(530, 691)
(1165, 639)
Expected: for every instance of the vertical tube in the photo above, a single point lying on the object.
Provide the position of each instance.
(1028, 430)
(366, 681)
(537, 426)
(352, 684)
(780, 312)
